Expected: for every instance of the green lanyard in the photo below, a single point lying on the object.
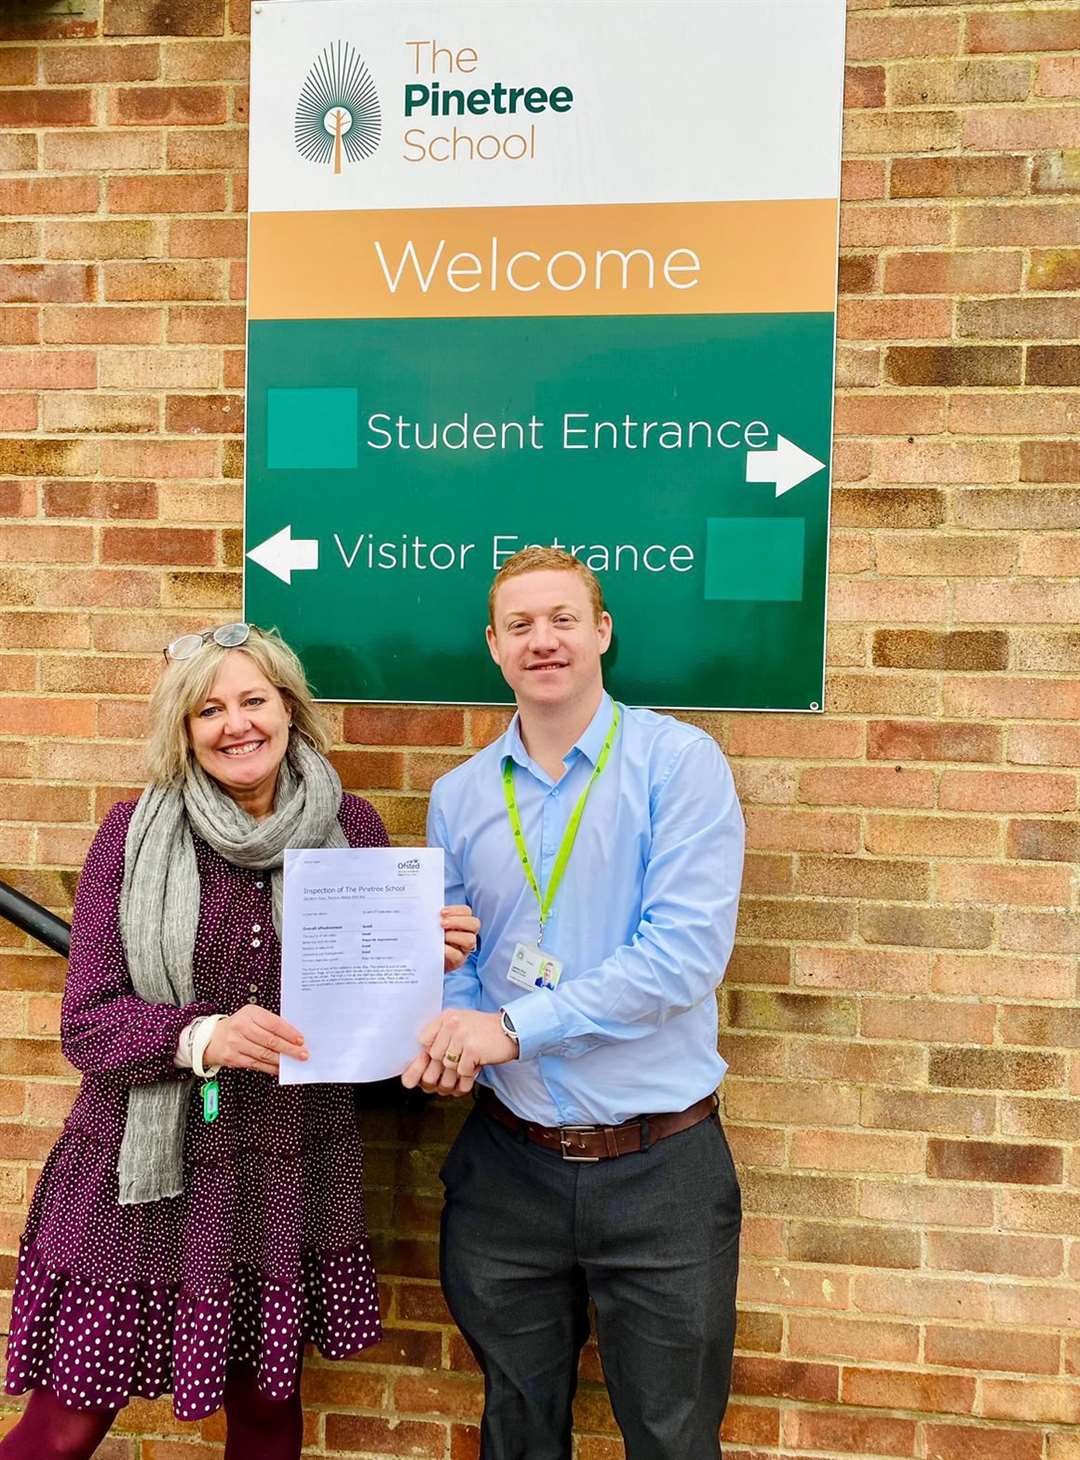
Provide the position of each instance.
(566, 846)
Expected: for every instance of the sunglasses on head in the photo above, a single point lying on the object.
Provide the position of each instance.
(227, 636)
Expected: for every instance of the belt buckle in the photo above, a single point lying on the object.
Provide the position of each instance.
(565, 1131)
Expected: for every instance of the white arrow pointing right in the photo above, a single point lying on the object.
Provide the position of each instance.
(787, 466)
(283, 555)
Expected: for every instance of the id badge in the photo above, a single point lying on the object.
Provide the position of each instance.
(533, 968)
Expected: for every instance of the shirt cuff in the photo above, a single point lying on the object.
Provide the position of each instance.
(537, 1021)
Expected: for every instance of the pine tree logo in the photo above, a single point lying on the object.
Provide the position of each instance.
(338, 116)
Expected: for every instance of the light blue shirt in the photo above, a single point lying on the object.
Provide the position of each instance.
(644, 921)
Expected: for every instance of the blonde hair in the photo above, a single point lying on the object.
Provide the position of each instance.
(185, 684)
(547, 559)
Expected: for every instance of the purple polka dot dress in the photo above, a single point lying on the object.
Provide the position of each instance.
(265, 1250)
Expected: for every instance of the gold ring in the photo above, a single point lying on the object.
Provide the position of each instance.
(451, 1059)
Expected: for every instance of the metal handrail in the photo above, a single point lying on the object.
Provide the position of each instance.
(34, 919)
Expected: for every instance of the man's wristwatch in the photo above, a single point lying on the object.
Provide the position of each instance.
(508, 1026)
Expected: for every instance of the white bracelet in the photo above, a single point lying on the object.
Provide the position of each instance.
(200, 1039)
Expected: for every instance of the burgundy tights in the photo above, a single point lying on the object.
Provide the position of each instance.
(258, 1428)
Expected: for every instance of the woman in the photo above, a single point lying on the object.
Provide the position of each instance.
(176, 1242)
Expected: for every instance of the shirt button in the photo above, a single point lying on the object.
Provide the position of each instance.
(256, 942)
(256, 928)
(259, 886)
(253, 988)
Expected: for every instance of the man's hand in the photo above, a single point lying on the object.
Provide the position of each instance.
(254, 1039)
(460, 935)
(455, 1047)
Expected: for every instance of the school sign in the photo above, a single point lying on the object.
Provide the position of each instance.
(544, 272)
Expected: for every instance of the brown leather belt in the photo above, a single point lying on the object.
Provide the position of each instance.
(596, 1142)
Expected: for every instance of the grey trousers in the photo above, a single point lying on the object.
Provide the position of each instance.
(652, 1238)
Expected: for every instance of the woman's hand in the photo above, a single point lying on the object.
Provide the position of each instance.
(254, 1039)
(460, 935)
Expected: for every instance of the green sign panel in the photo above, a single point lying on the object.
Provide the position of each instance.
(635, 366)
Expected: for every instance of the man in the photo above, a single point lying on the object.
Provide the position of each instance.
(601, 847)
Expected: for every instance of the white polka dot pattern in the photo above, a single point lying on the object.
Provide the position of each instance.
(265, 1250)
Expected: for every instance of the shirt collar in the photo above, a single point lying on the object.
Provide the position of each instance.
(590, 742)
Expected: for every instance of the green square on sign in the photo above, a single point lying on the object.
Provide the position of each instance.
(755, 559)
(310, 429)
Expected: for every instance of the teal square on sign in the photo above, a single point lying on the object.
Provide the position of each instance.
(755, 559)
(311, 429)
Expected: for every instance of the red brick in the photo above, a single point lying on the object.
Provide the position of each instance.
(1049, 461)
(995, 1069)
(989, 1161)
(166, 546)
(214, 148)
(82, 64)
(211, 324)
(866, 787)
(963, 177)
(153, 106)
(46, 283)
(1023, 30)
(1021, 130)
(47, 369)
(1046, 318)
(889, 415)
(414, 725)
(994, 1254)
(1057, 745)
(99, 152)
(784, 1379)
(37, 457)
(46, 107)
(18, 412)
(930, 649)
(936, 82)
(1047, 841)
(208, 238)
(961, 1442)
(18, 67)
(1012, 886)
(946, 462)
(1022, 1399)
(1056, 172)
(213, 61)
(96, 500)
(889, 36)
(920, 1393)
(1048, 699)
(894, 319)
(864, 86)
(198, 414)
(19, 326)
(1057, 1028)
(155, 18)
(1058, 76)
(954, 365)
(168, 193)
(995, 976)
(990, 1350)
(889, 132)
(164, 281)
(102, 325)
(917, 927)
(975, 272)
(860, 1246)
(1053, 365)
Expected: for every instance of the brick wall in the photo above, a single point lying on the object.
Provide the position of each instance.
(901, 1015)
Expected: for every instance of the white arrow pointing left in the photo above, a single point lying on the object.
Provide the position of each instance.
(283, 555)
(787, 466)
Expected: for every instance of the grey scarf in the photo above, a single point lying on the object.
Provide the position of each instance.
(159, 916)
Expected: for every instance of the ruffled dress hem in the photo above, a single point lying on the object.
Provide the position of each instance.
(97, 1345)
